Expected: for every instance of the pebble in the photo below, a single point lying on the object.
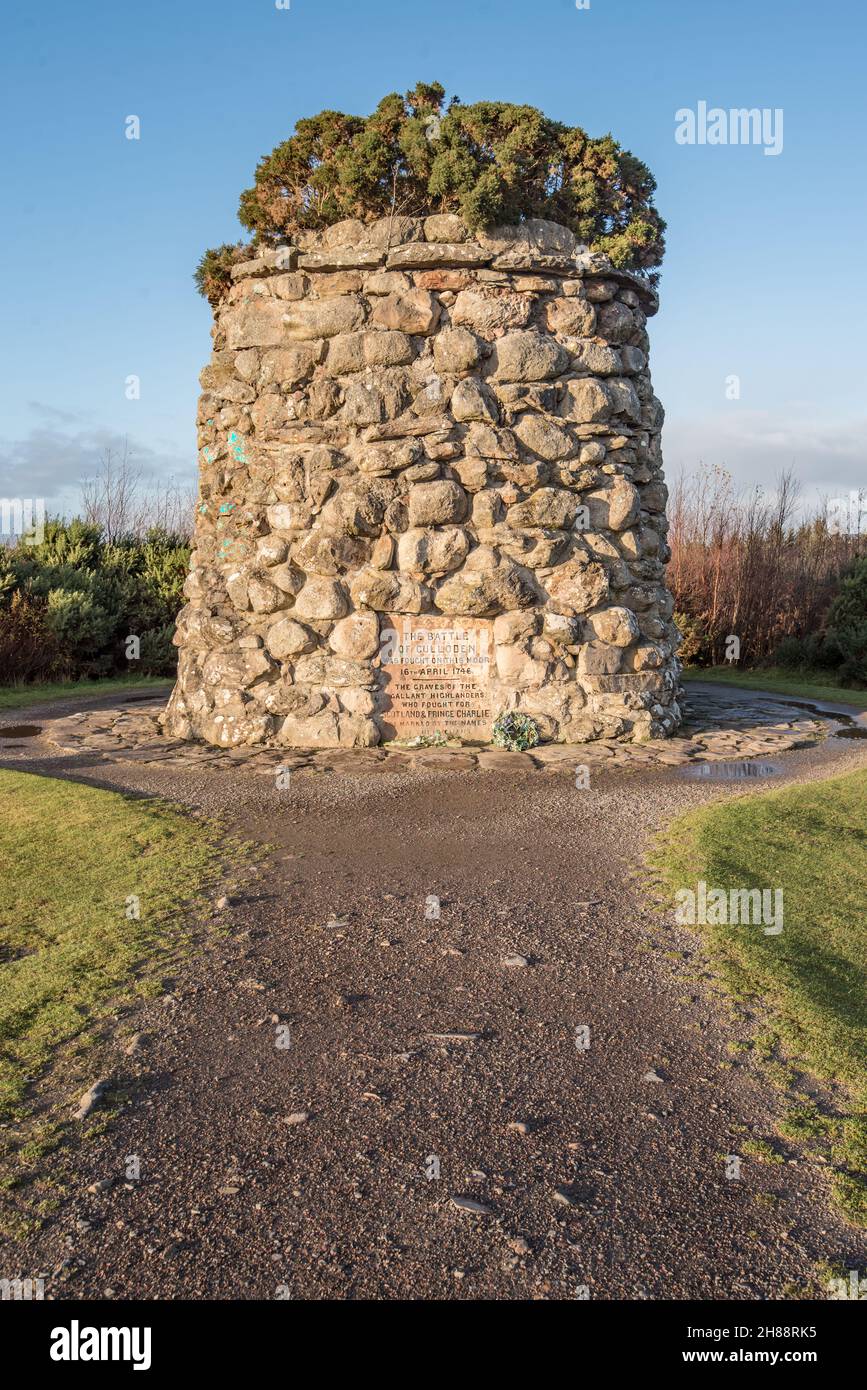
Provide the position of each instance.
(470, 1204)
(516, 961)
(92, 1098)
(298, 1117)
(518, 1126)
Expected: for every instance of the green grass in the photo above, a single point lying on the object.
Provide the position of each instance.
(761, 1150)
(18, 696)
(809, 981)
(69, 953)
(818, 686)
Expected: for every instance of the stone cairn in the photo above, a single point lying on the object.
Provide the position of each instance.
(430, 493)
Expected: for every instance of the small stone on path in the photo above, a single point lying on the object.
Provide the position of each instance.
(92, 1098)
(470, 1204)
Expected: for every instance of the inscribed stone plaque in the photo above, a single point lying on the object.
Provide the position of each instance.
(436, 677)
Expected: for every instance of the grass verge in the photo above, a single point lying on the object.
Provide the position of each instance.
(818, 686)
(79, 862)
(811, 841)
(19, 696)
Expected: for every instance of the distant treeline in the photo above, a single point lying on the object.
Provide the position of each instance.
(793, 591)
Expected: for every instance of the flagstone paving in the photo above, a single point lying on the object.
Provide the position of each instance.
(719, 724)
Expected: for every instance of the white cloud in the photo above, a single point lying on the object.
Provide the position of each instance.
(755, 446)
(50, 462)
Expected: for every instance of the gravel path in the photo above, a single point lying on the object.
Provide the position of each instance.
(320, 1083)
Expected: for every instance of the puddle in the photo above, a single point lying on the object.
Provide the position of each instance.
(852, 727)
(728, 771)
(20, 730)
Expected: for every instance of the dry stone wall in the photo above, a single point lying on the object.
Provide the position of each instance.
(430, 492)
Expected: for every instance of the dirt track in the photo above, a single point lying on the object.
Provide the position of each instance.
(617, 1185)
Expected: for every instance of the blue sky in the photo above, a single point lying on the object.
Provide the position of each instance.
(763, 279)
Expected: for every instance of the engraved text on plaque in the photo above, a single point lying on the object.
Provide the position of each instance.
(436, 677)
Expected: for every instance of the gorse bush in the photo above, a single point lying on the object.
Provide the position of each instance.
(695, 645)
(68, 605)
(842, 645)
(491, 162)
(849, 608)
(213, 275)
(847, 624)
(28, 649)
